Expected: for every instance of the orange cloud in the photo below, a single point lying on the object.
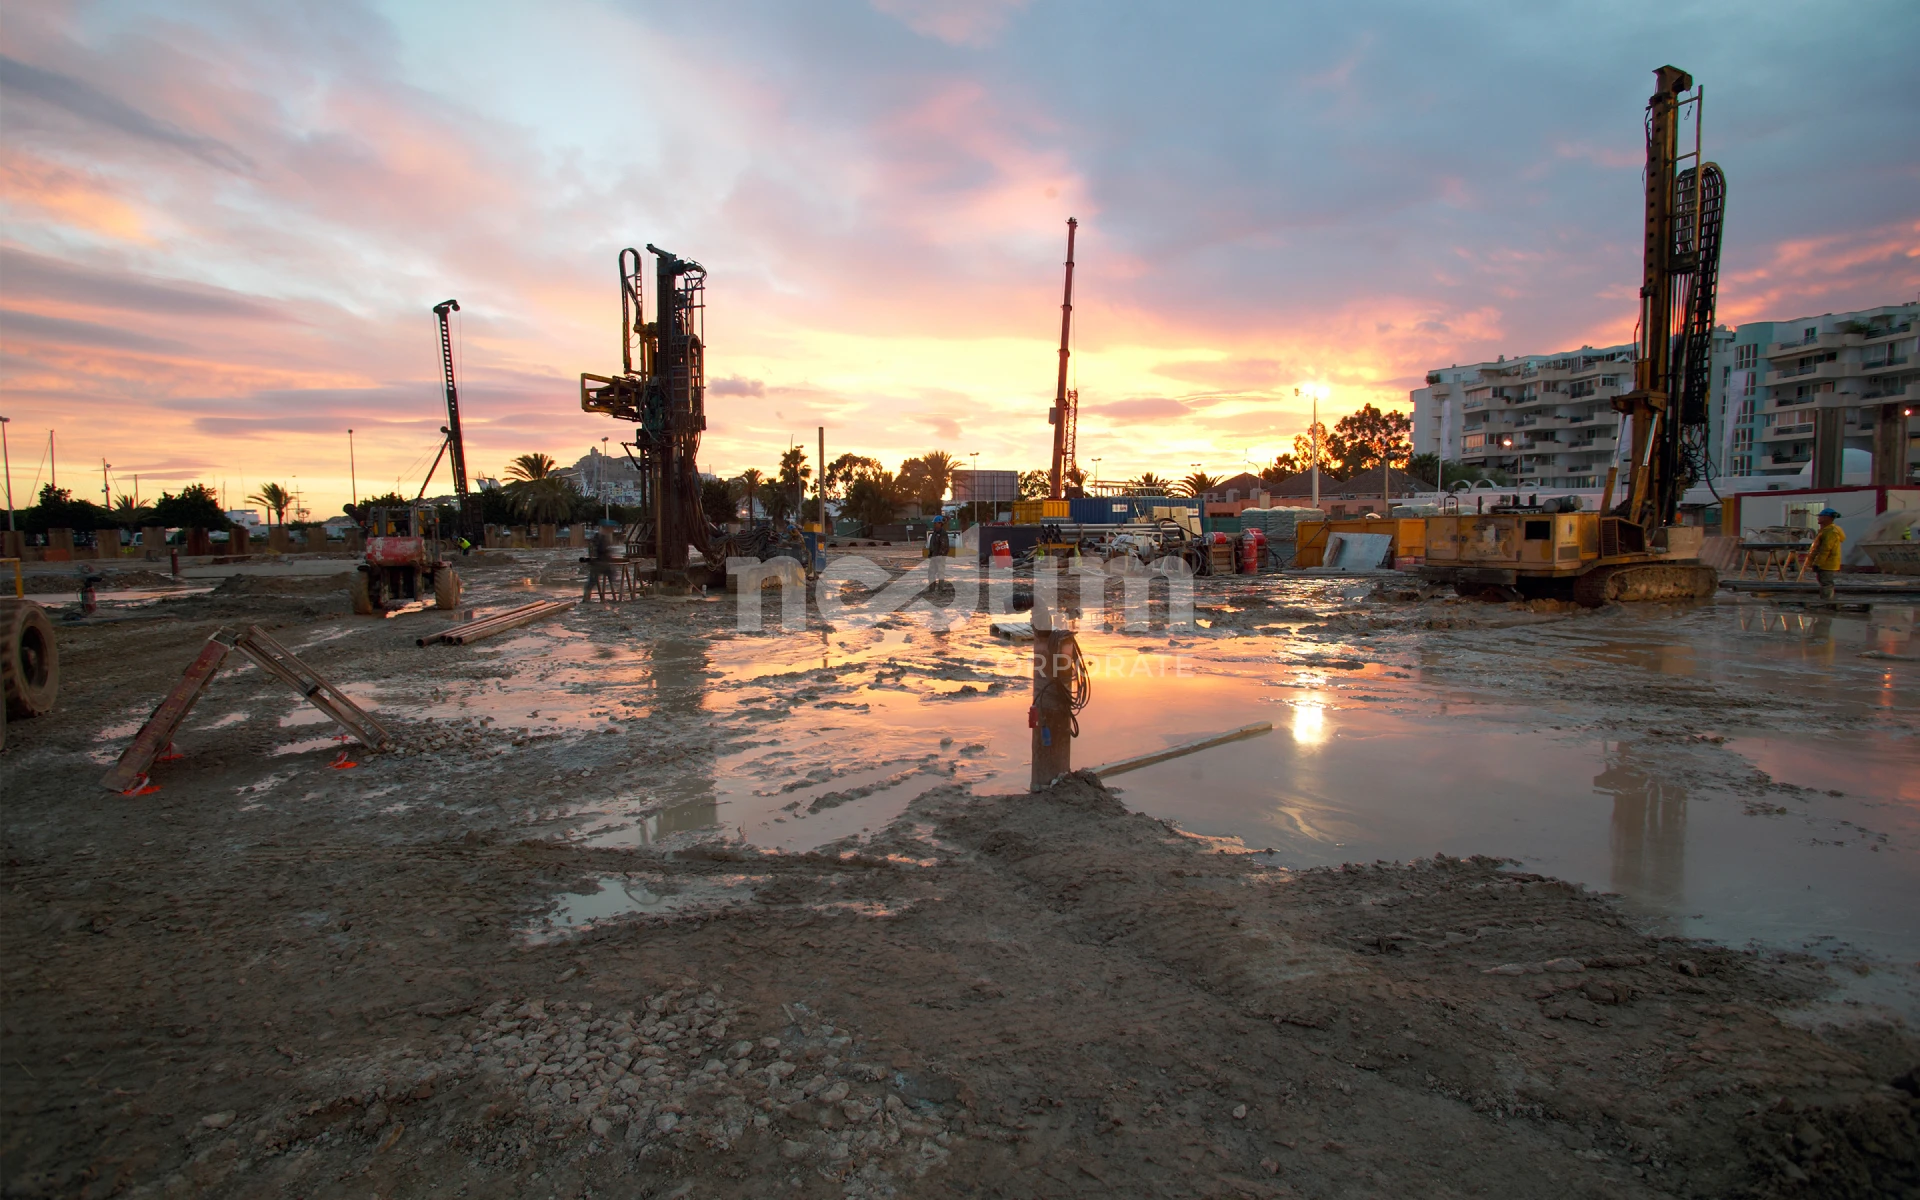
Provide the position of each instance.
(34, 189)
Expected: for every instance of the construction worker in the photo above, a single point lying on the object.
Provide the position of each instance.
(939, 546)
(599, 559)
(1824, 555)
(466, 547)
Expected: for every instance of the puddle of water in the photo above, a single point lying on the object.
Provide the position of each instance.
(1367, 760)
(625, 895)
(1358, 784)
(309, 745)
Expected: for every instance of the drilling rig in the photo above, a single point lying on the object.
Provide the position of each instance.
(453, 447)
(1632, 551)
(1064, 416)
(661, 388)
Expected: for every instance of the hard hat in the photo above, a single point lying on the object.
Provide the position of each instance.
(1829, 512)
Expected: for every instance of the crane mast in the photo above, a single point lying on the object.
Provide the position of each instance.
(1680, 275)
(457, 451)
(1065, 413)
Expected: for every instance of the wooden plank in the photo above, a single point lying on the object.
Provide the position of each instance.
(282, 663)
(1184, 748)
(157, 734)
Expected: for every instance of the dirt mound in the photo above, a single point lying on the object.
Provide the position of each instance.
(282, 585)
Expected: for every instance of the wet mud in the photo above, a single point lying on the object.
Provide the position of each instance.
(645, 904)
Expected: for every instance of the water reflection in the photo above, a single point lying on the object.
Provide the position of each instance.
(1647, 834)
(679, 676)
(1309, 722)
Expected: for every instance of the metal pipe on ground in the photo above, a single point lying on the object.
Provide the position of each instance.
(473, 631)
(1206, 743)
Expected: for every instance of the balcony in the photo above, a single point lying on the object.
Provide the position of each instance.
(1893, 395)
(1804, 429)
(1819, 370)
(1823, 341)
(1788, 458)
(1884, 364)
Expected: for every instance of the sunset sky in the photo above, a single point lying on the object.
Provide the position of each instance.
(225, 225)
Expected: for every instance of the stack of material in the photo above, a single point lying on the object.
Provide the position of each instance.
(1280, 525)
(486, 627)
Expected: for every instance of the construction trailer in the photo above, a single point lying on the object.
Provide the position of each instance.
(661, 388)
(1635, 551)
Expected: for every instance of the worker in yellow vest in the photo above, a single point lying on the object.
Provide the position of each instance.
(1824, 555)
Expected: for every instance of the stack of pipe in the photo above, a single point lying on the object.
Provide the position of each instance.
(486, 627)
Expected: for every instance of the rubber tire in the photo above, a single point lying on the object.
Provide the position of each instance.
(360, 591)
(29, 659)
(446, 588)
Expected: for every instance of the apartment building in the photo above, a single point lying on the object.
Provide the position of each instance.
(1547, 420)
(1824, 385)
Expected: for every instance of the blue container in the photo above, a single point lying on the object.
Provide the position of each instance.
(1098, 511)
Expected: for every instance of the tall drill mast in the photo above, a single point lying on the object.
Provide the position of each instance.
(456, 448)
(1679, 278)
(662, 390)
(1066, 405)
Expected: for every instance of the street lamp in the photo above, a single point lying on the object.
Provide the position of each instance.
(353, 470)
(7, 458)
(973, 489)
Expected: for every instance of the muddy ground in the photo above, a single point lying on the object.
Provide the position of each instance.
(271, 977)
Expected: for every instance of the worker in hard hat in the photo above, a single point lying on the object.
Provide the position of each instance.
(1824, 555)
(939, 546)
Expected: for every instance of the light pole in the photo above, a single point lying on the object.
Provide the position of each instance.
(973, 489)
(106, 488)
(7, 457)
(1313, 435)
(606, 495)
(353, 471)
(1096, 470)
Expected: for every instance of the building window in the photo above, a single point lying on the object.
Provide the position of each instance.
(1746, 358)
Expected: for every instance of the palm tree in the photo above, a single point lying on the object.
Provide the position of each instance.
(276, 500)
(750, 480)
(940, 466)
(1150, 484)
(538, 494)
(127, 513)
(529, 467)
(1198, 484)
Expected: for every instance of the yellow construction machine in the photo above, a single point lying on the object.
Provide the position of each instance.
(1633, 551)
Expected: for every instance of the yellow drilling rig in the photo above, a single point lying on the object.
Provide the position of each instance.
(1632, 551)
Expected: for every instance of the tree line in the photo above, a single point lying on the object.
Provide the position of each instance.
(195, 506)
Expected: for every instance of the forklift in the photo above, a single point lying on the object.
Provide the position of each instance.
(404, 562)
